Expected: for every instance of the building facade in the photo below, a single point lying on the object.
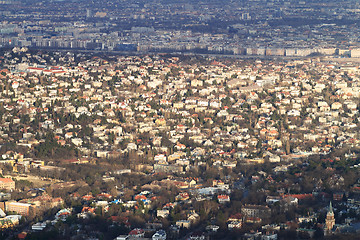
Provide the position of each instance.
(329, 221)
(7, 184)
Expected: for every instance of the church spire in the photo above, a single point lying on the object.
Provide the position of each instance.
(330, 220)
(330, 208)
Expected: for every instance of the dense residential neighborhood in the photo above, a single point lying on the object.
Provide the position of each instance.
(177, 147)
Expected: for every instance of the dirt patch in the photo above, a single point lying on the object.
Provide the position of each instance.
(37, 181)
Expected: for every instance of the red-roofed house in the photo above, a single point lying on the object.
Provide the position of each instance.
(88, 197)
(140, 197)
(137, 233)
(300, 196)
(88, 210)
(104, 195)
(223, 198)
(7, 183)
(22, 235)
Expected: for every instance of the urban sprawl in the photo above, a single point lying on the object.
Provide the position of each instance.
(252, 28)
(177, 147)
(164, 119)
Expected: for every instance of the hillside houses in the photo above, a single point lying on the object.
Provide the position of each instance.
(167, 141)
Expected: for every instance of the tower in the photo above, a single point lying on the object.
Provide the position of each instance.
(330, 220)
(88, 13)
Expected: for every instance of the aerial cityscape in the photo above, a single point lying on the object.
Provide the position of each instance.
(174, 119)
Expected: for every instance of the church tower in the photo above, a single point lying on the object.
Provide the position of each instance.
(330, 220)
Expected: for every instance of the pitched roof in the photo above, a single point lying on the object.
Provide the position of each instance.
(7, 180)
